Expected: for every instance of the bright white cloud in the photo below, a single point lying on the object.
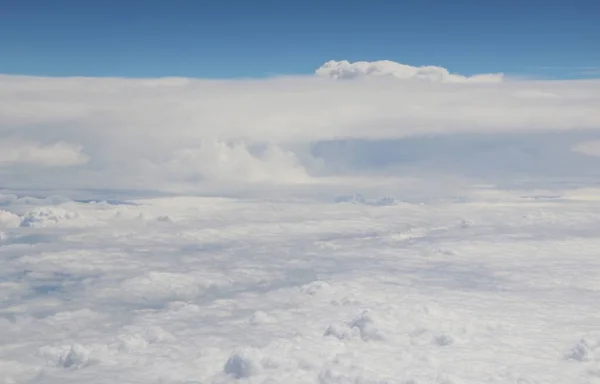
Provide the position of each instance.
(238, 291)
(160, 133)
(347, 70)
(367, 278)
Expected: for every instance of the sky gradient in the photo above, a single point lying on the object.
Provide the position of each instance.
(232, 38)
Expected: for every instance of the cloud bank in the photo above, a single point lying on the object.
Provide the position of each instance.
(174, 132)
(58, 154)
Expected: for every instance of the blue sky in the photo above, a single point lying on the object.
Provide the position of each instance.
(235, 38)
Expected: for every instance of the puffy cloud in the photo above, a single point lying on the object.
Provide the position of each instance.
(9, 219)
(347, 70)
(218, 160)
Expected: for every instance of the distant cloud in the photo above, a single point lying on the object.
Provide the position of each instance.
(55, 155)
(178, 133)
(347, 70)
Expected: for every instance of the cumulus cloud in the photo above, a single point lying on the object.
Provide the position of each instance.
(218, 160)
(47, 216)
(9, 219)
(347, 70)
(175, 132)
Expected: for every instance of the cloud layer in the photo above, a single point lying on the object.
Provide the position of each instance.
(175, 132)
(228, 291)
(58, 154)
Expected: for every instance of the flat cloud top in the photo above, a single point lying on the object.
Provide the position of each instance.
(152, 133)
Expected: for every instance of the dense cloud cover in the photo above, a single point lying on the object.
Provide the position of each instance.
(174, 133)
(373, 223)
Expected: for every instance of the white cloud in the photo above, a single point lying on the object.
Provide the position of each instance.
(8, 219)
(394, 280)
(347, 70)
(171, 133)
(248, 290)
(218, 160)
(58, 154)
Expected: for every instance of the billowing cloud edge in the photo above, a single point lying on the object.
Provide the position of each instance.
(360, 69)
